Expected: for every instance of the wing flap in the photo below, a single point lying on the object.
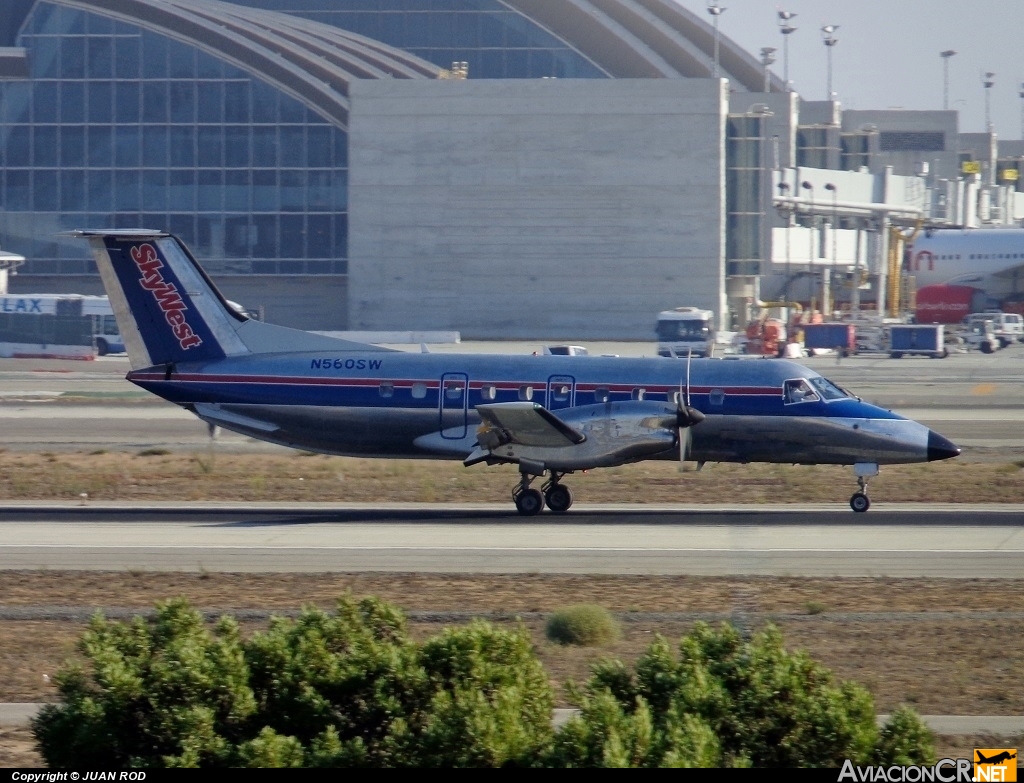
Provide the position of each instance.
(525, 423)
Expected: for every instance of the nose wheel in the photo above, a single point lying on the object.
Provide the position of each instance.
(859, 502)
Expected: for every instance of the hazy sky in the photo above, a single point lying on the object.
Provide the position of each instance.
(888, 52)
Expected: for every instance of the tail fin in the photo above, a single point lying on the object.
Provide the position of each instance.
(169, 311)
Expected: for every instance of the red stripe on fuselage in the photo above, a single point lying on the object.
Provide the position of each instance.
(434, 383)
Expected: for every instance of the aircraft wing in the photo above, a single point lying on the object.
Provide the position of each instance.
(525, 423)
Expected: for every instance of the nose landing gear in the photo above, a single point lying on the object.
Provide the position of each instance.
(859, 502)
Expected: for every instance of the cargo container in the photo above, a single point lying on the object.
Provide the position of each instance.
(917, 340)
(831, 336)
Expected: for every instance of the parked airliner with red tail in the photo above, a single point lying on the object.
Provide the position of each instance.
(963, 271)
(549, 415)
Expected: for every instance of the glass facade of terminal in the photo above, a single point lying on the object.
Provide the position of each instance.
(494, 40)
(126, 127)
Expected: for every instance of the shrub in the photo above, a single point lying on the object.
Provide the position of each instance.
(586, 625)
(342, 689)
(724, 701)
(164, 692)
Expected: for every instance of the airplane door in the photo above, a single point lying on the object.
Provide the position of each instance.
(453, 404)
(561, 392)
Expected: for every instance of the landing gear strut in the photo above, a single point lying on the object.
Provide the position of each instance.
(557, 495)
(859, 502)
(530, 502)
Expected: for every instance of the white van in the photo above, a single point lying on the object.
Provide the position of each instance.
(1007, 327)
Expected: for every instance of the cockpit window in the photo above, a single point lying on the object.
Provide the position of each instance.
(828, 390)
(798, 390)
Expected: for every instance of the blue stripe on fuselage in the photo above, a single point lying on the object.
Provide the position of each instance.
(751, 387)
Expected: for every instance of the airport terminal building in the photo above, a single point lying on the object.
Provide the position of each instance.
(543, 169)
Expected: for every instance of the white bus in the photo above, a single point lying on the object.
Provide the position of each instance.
(29, 326)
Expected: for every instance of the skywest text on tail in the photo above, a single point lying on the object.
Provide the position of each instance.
(549, 415)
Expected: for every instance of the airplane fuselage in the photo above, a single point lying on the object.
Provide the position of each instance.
(974, 257)
(394, 404)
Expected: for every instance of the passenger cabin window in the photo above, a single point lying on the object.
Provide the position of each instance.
(387, 389)
(799, 390)
(453, 390)
(560, 392)
(526, 392)
(717, 397)
(601, 394)
(639, 394)
(419, 390)
(488, 392)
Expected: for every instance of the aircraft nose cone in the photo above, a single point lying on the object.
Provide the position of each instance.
(940, 447)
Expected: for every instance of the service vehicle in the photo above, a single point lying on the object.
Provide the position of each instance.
(1007, 327)
(686, 331)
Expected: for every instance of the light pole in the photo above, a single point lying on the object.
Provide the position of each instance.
(716, 11)
(786, 29)
(811, 253)
(830, 41)
(787, 213)
(945, 77)
(987, 81)
(767, 58)
(826, 285)
(1021, 94)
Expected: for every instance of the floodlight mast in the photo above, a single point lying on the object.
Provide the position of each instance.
(786, 29)
(1021, 94)
(830, 41)
(945, 55)
(988, 81)
(767, 58)
(716, 11)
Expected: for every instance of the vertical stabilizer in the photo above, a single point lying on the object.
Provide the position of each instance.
(166, 307)
(169, 311)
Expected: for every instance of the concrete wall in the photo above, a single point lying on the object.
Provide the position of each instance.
(540, 209)
(943, 164)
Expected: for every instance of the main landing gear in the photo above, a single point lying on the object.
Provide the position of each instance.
(859, 502)
(530, 502)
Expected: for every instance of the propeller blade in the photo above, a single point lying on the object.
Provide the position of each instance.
(689, 358)
(686, 415)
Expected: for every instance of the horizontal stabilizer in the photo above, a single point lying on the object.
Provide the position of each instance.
(213, 413)
(528, 424)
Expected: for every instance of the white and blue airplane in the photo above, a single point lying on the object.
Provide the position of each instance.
(549, 415)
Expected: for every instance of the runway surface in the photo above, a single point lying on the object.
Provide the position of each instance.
(974, 399)
(891, 540)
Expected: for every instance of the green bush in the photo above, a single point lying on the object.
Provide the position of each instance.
(723, 701)
(166, 692)
(586, 625)
(352, 689)
(342, 689)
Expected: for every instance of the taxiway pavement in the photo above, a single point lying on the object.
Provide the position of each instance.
(898, 540)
